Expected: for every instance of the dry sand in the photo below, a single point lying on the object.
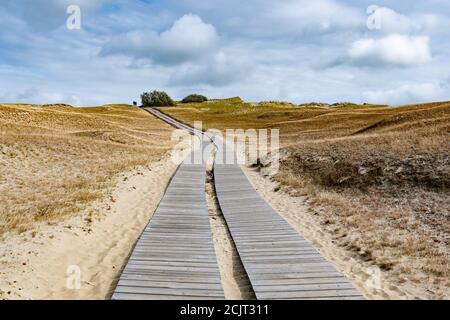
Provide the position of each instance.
(34, 264)
(78, 185)
(368, 280)
(55, 160)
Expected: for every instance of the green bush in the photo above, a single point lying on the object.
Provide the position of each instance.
(156, 99)
(194, 98)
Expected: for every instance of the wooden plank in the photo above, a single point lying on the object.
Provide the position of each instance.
(316, 294)
(280, 263)
(169, 269)
(169, 285)
(174, 257)
(296, 281)
(208, 260)
(167, 274)
(150, 249)
(172, 280)
(286, 258)
(305, 287)
(143, 296)
(255, 253)
(283, 270)
(218, 293)
(190, 264)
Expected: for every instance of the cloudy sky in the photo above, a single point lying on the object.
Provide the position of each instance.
(294, 50)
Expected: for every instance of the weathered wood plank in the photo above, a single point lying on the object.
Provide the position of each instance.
(173, 279)
(296, 281)
(280, 263)
(305, 287)
(169, 285)
(316, 294)
(167, 274)
(143, 296)
(218, 293)
(174, 257)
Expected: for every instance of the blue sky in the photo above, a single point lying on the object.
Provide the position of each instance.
(294, 50)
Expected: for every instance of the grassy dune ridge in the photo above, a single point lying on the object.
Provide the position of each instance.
(55, 159)
(378, 177)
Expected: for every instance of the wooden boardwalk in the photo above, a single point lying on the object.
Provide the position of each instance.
(175, 258)
(280, 263)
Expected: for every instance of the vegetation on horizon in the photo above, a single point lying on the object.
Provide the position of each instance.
(156, 99)
(194, 98)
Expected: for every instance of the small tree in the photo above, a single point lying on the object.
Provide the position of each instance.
(194, 98)
(156, 99)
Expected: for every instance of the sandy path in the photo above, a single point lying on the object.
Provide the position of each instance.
(41, 264)
(235, 282)
(370, 282)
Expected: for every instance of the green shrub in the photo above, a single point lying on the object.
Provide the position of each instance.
(194, 98)
(156, 99)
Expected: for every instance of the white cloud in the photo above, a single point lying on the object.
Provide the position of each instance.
(395, 49)
(188, 39)
(45, 15)
(290, 18)
(410, 93)
(295, 50)
(220, 70)
(306, 14)
(394, 22)
(40, 96)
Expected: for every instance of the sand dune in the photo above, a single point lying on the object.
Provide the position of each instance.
(40, 264)
(54, 160)
(77, 186)
(367, 184)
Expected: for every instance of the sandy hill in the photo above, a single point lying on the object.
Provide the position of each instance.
(376, 177)
(54, 159)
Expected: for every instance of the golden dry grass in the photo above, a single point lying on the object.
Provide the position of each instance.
(378, 177)
(56, 159)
